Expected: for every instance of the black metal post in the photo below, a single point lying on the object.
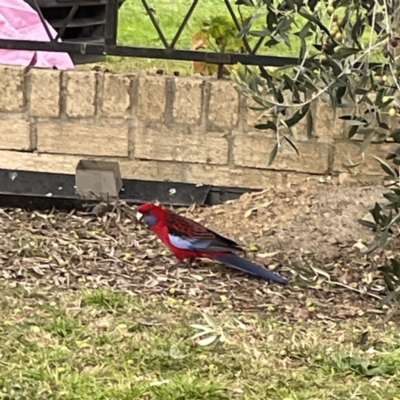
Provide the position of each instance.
(39, 11)
(67, 20)
(111, 26)
(184, 23)
(150, 13)
(238, 26)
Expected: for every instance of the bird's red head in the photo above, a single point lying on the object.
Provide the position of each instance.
(151, 213)
(149, 208)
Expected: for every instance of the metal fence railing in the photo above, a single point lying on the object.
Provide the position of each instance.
(109, 45)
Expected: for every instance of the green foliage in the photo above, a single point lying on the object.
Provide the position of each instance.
(219, 34)
(333, 65)
(223, 31)
(391, 274)
(339, 41)
(106, 299)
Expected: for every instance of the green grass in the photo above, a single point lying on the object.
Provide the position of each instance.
(101, 344)
(135, 28)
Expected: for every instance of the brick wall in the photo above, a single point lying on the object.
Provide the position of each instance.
(159, 128)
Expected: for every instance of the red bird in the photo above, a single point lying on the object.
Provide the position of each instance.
(188, 239)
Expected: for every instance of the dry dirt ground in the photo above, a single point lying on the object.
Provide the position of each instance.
(307, 232)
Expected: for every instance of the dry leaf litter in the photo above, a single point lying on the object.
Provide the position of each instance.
(307, 232)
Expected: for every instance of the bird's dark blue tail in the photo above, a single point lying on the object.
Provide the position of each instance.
(244, 265)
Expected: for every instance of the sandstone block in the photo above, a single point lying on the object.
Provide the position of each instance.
(161, 143)
(45, 92)
(188, 100)
(81, 93)
(83, 138)
(151, 100)
(66, 164)
(11, 88)
(116, 99)
(15, 134)
(57, 163)
(345, 152)
(328, 125)
(253, 117)
(253, 150)
(229, 176)
(152, 170)
(224, 104)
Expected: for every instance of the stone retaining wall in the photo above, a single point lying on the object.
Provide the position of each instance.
(182, 129)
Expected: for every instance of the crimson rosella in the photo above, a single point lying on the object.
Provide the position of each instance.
(188, 239)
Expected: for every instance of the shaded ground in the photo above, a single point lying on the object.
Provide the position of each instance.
(57, 250)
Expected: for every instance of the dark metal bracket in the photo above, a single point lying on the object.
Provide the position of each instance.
(67, 20)
(44, 190)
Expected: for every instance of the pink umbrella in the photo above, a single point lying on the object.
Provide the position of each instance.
(19, 21)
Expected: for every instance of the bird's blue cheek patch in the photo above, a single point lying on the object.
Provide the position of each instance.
(150, 220)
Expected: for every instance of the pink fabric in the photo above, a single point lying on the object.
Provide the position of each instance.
(18, 20)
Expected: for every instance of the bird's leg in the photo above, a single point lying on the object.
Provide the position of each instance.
(178, 264)
(173, 266)
(181, 263)
(189, 263)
